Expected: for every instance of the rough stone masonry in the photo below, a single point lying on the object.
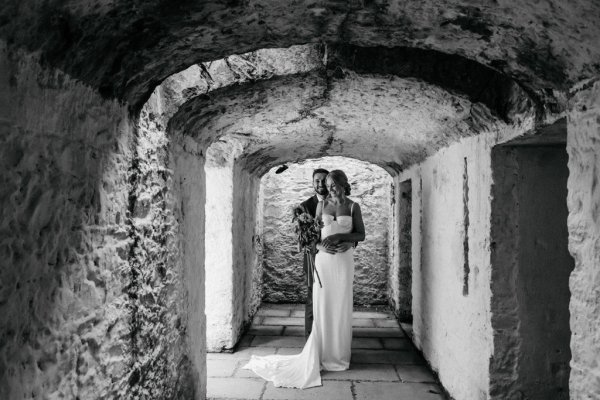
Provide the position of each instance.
(103, 145)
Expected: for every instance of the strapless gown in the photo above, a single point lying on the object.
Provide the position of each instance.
(328, 346)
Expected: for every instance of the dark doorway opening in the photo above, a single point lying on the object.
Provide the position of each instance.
(531, 266)
(405, 251)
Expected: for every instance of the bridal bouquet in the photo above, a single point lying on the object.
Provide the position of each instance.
(308, 230)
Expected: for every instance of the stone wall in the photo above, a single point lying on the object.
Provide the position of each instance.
(188, 165)
(583, 147)
(247, 259)
(283, 275)
(233, 246)
(400, 254)
(92, 295)
(450, 229)
(64, 236)
(167, 259)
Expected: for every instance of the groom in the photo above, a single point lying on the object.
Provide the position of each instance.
(310, 206)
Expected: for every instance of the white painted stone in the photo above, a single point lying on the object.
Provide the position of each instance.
(219, 247)
(583, 146)
(453, 331)
(234, 247)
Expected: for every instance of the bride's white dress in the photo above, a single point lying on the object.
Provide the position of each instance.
(328, 346)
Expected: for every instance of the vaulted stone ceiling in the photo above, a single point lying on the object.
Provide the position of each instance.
(391, 107)
(126, 48)
(387, 120)
(388, 82)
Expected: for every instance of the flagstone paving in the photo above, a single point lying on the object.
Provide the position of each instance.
(384, 366)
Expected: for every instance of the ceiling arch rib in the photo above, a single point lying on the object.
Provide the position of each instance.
(389, 121)
(503, 96)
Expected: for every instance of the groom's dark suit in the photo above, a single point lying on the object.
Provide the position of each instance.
(310, 205)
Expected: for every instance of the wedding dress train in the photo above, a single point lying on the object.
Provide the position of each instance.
(328, 346)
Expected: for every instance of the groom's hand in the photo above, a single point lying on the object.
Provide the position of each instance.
(343, 247)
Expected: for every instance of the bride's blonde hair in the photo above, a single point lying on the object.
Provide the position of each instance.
(340, 178)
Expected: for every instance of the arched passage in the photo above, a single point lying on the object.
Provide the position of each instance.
(397, 123)
(123, 51)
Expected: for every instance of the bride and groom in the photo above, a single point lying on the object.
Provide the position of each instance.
(329, 342)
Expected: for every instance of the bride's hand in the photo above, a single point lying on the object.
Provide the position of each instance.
(343, 247)
(326, 247)
(332, 240)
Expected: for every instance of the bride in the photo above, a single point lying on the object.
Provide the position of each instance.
(328, 346)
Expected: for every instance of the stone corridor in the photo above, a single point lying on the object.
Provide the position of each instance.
(135, 138)
(384, 366)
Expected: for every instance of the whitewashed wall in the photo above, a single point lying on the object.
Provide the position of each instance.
(233, 246)
(583, 147)
(453, 329)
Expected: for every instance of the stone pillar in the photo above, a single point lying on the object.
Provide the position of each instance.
(583, 147)
(191, 192)
(219, 247)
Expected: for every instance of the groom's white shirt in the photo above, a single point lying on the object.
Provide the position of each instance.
(320, 197)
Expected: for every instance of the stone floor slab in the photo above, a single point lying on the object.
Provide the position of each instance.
(242, 353)
(371, 314)
(331, 390)
(362, 322)
(221, 368)
(366, 343)
(269, 330)
(278, 341)
(395, 391)
(386, 323)
(362, 356)
(382, 359)
(273, 312)
(407, 328)
(245, 340)
(289, 351)
(282, 321)
(234, 388)
(415, 373)
(363, 372)
(397, 344)
(377, 332)
(294, 331)
(283, 306)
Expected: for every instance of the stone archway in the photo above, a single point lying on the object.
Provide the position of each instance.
(291, 117)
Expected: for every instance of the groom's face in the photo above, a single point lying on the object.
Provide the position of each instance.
(319, 184)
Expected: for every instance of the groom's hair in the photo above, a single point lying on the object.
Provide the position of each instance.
(320, 171)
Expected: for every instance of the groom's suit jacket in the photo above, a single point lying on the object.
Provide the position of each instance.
(310, 206)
